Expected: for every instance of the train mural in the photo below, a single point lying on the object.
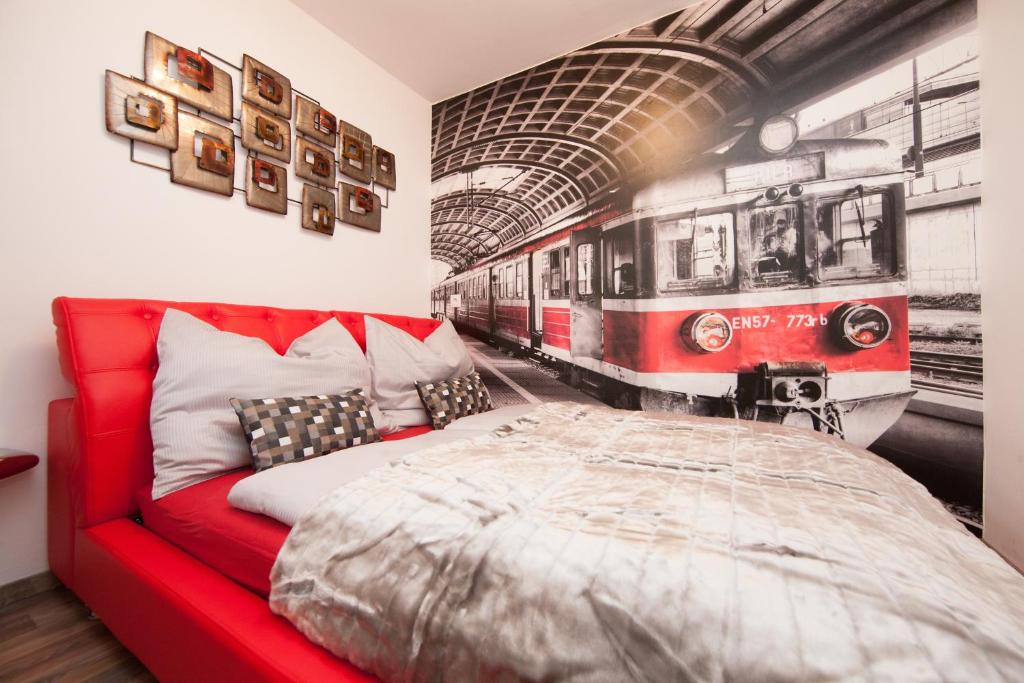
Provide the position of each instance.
(739, 209)
(768, 283)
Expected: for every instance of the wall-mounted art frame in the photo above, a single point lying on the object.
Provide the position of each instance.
(359, 206)
(314, 162)
(266, 88)
(189, 76)
(315, 122)
(265, 133)
(318, 209)
(141, 112)
(266, 185)
(205, 157)
(356, 152)
(384, 173)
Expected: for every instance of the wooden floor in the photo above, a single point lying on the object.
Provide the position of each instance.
(51, 637)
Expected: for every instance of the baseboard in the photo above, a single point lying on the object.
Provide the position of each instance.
(27, 587)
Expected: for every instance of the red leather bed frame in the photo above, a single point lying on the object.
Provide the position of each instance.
(184, 620)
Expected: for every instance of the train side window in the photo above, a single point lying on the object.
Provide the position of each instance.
(519, 280)
(501, 284)
(696, 252)
(554, 267)
(776, 245)
(620, 268)
(566, 273)
(585, 269)
(510, 283)
(855, 237)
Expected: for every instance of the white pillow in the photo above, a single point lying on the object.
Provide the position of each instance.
(398, 360)
(195, 431)
(331, 342)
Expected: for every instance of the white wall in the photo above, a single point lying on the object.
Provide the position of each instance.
(79, 219)
(1002, 293)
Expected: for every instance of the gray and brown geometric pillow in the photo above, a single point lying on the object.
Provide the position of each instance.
(283, 430)
(450, 399)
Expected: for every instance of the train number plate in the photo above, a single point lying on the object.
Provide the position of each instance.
(757, 322)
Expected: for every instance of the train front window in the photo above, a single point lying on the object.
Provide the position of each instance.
(855, 236)
(696, 252)
(775, 245)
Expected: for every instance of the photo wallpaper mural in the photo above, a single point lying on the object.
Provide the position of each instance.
(758, 209)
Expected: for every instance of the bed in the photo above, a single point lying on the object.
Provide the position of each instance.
(564, 542)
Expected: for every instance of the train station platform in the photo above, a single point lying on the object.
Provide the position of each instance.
(514, 381)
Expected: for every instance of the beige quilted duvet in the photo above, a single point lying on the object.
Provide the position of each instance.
(583, 543)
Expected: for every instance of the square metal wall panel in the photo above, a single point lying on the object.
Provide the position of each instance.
(359, 206)
(266, 185)
(188, 76)
(383, 167)
(318, 209)
(315, 163)
(205, 158)
(141, 112)
(265, 133)
(266, 88)
(356, 153)
(315, 122)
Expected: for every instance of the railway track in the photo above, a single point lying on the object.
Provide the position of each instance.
(951, 373)
(943, 338)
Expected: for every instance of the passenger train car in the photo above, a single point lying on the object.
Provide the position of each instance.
(768, 282)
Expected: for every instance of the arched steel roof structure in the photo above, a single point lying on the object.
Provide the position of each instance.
(598, 119)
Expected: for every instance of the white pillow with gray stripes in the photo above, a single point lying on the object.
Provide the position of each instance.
(399, 360)
(196, 434)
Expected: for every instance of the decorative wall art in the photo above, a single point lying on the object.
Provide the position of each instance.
(202, 151)
(265, 133)
(188, 75)
(383, 167)
(315, 122)
(359, 206)
(313, 162)
(141, 112)
(266, 185)
(356, 152)
(318, 210)
(266, 88)
(205, 158)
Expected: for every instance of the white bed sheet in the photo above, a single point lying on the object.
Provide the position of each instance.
(287, 492)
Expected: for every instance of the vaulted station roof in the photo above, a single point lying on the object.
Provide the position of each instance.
(512, 158)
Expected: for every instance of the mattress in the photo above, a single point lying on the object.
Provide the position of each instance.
(199, 520)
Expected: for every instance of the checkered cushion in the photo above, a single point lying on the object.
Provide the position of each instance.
(283, 430)
(450, 399)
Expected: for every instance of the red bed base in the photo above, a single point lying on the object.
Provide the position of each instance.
(183, 619)
(241, 545)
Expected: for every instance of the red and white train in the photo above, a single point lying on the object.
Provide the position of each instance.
(768, 282)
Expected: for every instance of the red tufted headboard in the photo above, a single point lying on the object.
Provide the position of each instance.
(100, 450)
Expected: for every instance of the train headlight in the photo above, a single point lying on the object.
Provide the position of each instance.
(778, 134)
(860, 326)
(708, 332)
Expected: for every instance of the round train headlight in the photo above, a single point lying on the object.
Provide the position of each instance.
(860, 326)
(778, 134)
(708, 332)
